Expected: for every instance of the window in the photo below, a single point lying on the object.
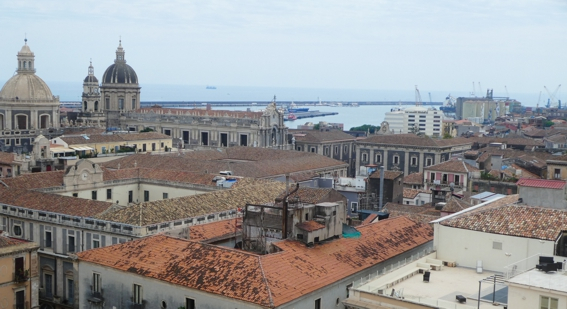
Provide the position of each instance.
(326, 151)
(48, 284)
(414, 161)
(496, 245)
(130, 196)
(165, 195)
(17, 141)
(396, 159)
(96, 243)
(17, 230)
(457, 180)
(557, 173)
(107, 103)
(70, 292)
(348, 287)
(353, 207)
(336, 149)
(133, 103)
(137, 299)
(364, 157)
(378, 158)
(546, 302)
(298, 148)
(146, 195)
(108, 194)
(71, 243)
(307, 217)
(7, 141)
(318, 303)
(75, 194)
(346, 149)
(47, 240)
(189, 303)
(312, 149)
(93, 195)
(428, 162)
(121, 104)
(432, 177)
(96, 283)
(445, 177)
(19, 269)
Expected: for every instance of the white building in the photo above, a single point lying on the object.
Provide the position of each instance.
(428, 120)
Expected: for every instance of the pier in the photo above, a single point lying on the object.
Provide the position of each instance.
(309, 114)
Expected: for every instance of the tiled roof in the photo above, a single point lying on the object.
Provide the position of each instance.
(412, 193)
(414, 179)
(453, 166)
(525, 173)
(369, 219)
(53, 202)
(245, 191)
(387, 174)
(269, 280)
(310, 226)
(541, 183)
(426, 209)
(514, 220)
(455, 205)
(35, 180)
(317, 136)
(8, 241)
(242, 161)
(313, 195)
(159, 174)
(7, 158)
(514, 141)
(215, 230)
(110, 138)
(415, 140)
(200, 112)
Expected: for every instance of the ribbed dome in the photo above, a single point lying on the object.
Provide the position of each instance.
(26, 87)
(120, 73)
(91, 79)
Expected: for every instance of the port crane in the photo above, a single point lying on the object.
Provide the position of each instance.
(552, 101)
(418, 101)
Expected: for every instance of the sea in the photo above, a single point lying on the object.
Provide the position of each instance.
(349, 116)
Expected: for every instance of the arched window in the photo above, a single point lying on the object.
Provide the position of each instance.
(85, 106)
(24, 64)
(29, 64)
(96, 106)
(378, 158)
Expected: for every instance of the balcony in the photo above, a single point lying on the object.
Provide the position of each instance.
(24, 305)
(22, 275)
(433, 183)
(95, 297)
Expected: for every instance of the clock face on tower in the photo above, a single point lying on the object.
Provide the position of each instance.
(85, 175)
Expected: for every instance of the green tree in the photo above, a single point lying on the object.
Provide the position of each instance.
(548, 123)
(147, 130)
(447, 136)
(316, 127)
(366, 127)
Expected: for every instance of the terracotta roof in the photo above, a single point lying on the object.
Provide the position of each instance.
(369, 219)
(414, 179)
(412, 193)
(514, 220)
(244, 191)
(53, 202)
(199, 112)
(217, 230)
(8, 158)
(9, 241)
(455, 205)
(242, 161)
(514, 141)
(35, 180)
(317, 136)
(110, 138)
(427, 209)
(387, 174)
(314, 195)
(415, 140)
(525, 173)
(268, 280)
(310, 226)
(541, 183)
(456, 166)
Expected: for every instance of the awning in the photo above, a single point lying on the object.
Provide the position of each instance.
(81, 148)
(61, 150)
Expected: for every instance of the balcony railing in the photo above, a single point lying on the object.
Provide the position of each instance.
(22, 275)
(444, 183)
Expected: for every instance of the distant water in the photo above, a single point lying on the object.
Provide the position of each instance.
(349, 116)
(71, 91)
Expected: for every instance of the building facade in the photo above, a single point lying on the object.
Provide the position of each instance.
(18, 275)
(418, 119)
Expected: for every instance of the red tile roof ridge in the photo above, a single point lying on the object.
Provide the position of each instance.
(542, 183)
(266, 283)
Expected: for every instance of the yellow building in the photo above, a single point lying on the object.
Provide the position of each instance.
(557, 168)
(19, 278)
(113, 143)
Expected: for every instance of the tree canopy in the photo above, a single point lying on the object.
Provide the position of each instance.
(365, 128)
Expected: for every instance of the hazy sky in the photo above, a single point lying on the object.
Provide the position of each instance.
(376, 44)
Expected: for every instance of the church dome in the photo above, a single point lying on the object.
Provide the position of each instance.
(91, 79)
(25, 85)
(120, 72)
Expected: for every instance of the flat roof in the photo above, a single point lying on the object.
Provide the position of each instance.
(441, 289)
(554, 281)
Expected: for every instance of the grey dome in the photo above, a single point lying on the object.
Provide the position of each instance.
(120, 73)
(91, 79)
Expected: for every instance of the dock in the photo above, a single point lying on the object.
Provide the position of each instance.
(310, 114)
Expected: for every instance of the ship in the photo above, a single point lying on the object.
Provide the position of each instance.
(211, 87)
(291, 117)
(292, 108)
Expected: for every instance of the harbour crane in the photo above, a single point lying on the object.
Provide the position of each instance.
(552, 99)
(506, 88)
(418, 101)
(430, 102)
(479, 89)
(538, 100)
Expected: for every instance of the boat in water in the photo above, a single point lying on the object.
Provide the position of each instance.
(291, 117)
(292, 108)
(211, 87)
(354, 104)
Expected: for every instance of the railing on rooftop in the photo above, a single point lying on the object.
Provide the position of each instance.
(521, 266)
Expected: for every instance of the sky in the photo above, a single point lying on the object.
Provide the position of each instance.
(518, 46)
